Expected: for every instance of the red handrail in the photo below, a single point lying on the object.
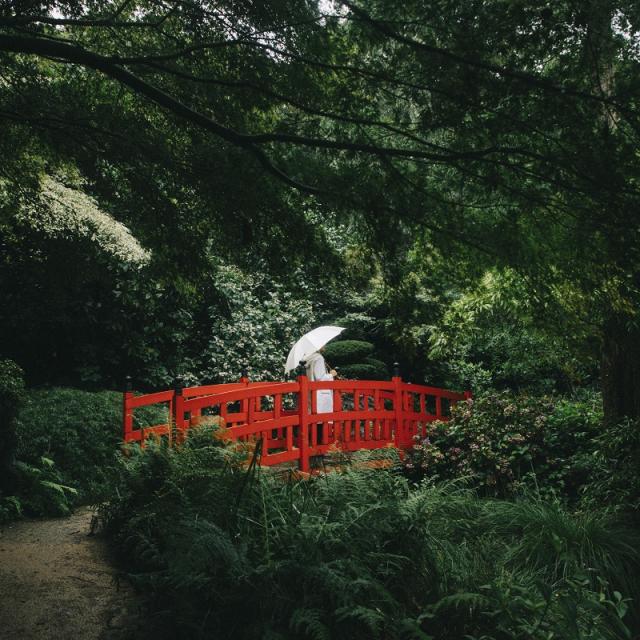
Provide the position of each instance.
(367, 414)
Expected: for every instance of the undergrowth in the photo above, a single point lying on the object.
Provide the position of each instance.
(230, 551)
(66, 444)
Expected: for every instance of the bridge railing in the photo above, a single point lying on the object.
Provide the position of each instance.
(284, 416)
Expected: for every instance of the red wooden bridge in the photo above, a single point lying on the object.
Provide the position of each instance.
(283, 416)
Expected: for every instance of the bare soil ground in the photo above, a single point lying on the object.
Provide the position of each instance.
(56, 581)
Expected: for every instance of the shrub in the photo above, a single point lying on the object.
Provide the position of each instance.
(42, 489)
(352, 359)
(10, 509)
(347, 351)
(492, 334)
(382, 372)
(32, 488)
(255, 322)
(363, 371)
(613, 465)
(79, 432)
(507, 442)
(11, 393)
(359, 554)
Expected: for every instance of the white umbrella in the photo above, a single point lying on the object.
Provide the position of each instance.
(310, 343)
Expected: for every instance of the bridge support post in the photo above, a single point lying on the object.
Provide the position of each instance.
(178, 410)
(303, 417)
(244, 379)
(398, 435)
(127, 415)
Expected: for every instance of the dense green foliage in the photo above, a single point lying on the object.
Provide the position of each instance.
(260, 320)
(66, 446)
(371, 369)
(614, 464)
(11, 394)
(79, 430)
(82, 317)
(186, 187)
(360, 554)
(508, 444)
(425, 145)
(497, 336)
(347, 351)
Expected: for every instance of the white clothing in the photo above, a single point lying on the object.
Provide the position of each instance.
(316, 371)
(316, 367)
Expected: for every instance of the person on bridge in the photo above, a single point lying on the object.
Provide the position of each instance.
(317, 370)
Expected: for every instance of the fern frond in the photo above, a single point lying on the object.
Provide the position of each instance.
(469, 600)
(372, 619)
(309, 622)
(59, 488)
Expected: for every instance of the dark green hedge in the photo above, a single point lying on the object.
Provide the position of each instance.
(347, 351)
(11, 393)
(80, 431)
(362, 371)
(381, 367)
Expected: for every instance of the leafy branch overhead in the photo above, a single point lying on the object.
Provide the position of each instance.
(437, 116)
(145, 45)
(493, 134)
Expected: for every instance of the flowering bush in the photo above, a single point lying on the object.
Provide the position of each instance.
(506, 443)
(261, 323)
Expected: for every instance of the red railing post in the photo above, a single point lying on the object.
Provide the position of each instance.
(397, 406)
(303, 417)
(244, 379)
(127, 414)
(178, 411)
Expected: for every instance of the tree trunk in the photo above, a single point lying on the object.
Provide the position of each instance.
(620, 369)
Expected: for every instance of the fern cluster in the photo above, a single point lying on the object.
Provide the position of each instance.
(225, 549)
(60, 448)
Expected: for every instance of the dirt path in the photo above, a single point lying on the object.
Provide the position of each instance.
(56, 582)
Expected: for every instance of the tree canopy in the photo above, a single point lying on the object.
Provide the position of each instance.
(483, 135)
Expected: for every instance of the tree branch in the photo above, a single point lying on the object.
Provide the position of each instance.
(71, 53)
(513, 74)
(77, 55)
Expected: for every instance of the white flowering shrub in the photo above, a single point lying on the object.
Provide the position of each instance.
(262, 323)
(61, 212)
